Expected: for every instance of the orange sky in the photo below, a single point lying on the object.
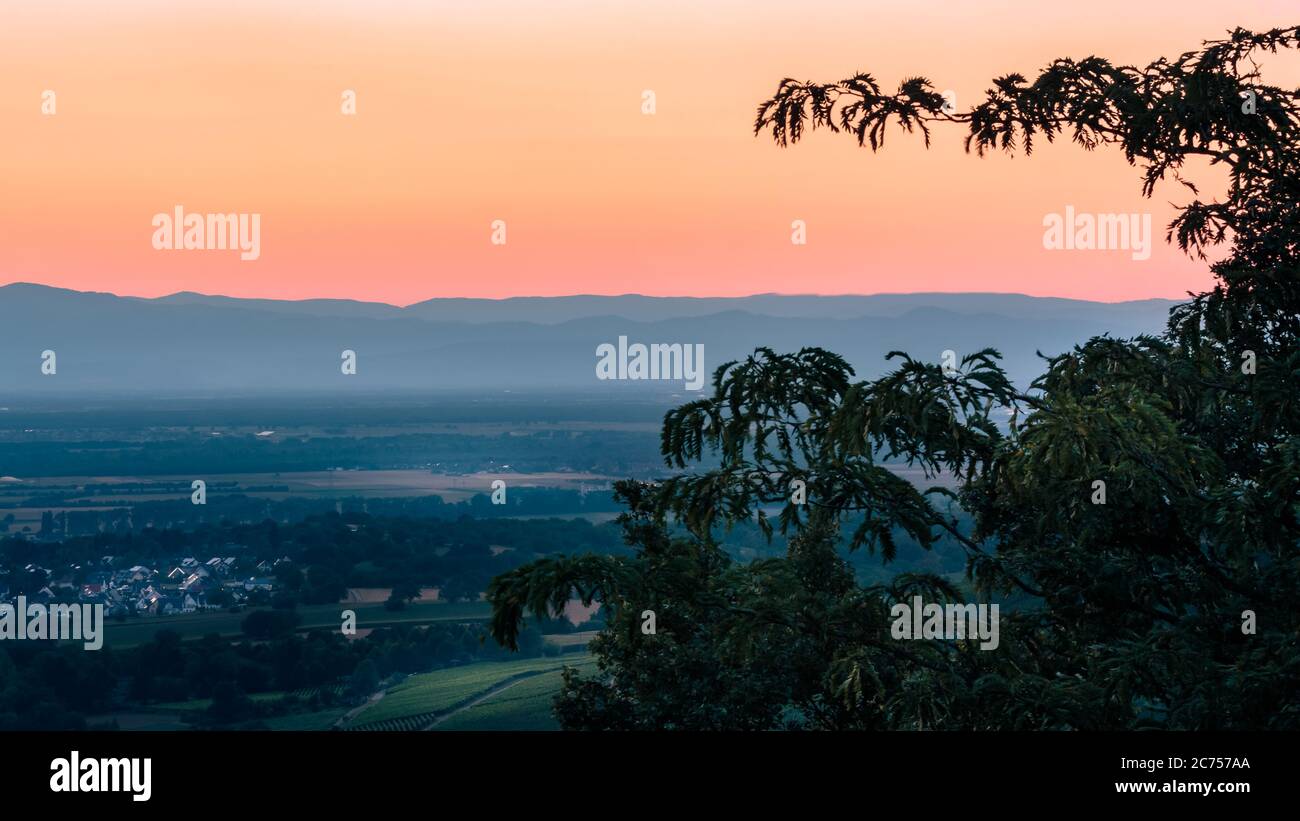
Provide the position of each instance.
(469, 111)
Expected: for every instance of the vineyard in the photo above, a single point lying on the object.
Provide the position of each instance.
(525, 705)
(419, 700)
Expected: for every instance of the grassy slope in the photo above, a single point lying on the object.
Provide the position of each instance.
(443, 689)
(523, 706)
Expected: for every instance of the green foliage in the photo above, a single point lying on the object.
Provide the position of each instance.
(268, 624)
(1126, 614)
(365, 679)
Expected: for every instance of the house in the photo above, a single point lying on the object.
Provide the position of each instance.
(155, 603)
(198, 584)
(148, 600)
(263, 583)
(220, 566)
(63, 590)
(139, 573)
(115, 604)
(176, 574)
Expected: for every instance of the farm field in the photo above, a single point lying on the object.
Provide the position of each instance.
(417, 701)
(200, 704)
(141, 630)
(525, 705)
(452, 487)
(378, 595)
(571, 639)
(319, 484)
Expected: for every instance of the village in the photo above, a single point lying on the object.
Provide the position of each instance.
(181, 584)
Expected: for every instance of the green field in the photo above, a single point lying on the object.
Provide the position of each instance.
(522, 706)
(200, 704)
(571, 639)
(417, 701)
(196, 705)
(141, 630)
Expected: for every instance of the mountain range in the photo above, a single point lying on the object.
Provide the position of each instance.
(189, 343)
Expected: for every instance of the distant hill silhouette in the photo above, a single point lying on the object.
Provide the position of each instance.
(550, 310)
(187, 343)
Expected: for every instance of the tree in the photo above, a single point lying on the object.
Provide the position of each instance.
(365, 679)
(458, 588)
(289, 576)
(229, 704)
(269, 624)
(401, 595)
(1127, 614)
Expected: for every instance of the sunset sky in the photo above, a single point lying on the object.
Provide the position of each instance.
(470, 111)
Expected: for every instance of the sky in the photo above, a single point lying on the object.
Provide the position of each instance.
(531, 113)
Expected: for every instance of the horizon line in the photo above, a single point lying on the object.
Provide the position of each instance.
(589, 295)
